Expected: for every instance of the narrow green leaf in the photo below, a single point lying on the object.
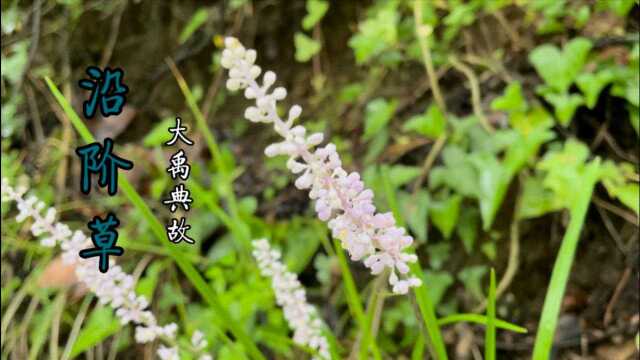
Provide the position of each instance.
(480, 319)
(197, 20)
(582, 189)
(490, 331)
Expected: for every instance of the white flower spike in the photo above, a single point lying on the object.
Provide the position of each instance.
(290, 295)
(340, 197)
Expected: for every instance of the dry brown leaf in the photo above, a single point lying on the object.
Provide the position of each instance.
(57, 274)
(624, 351)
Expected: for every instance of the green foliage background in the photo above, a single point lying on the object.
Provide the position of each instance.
(502, 133)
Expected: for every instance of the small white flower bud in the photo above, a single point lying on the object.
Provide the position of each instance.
(280, 93)
(269, 78)
(272, 150)
(250, 93)
(255, 71)
(315, 139)
(250, 56)
(233, 84)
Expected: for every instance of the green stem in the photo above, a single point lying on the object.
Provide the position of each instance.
(562, 267)
(353, 298)
(427, 310)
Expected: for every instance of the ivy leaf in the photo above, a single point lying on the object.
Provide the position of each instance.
(430, 124)
(439, 282)
(563, 171)
(377, 115)
(315, 12)
(512, 100)
(615, 180)
(306, 47)
(438, 254)
(592, 84)
(402, 174)
(376, 34)
(536, 200)
(467, 228)
(565, 105)
(444, 214)
(415, 210)
(457, 173)
(559, 69)
(471, 277)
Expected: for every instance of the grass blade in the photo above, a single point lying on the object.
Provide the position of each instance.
(490, 330)
(157, 228)
(353, 298)
(427, 310)
(480, 319)
(562, 266)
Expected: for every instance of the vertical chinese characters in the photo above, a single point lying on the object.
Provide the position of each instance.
(107, 92)
(108, 95)
(180, 195)
(104, 237)
(98, 159)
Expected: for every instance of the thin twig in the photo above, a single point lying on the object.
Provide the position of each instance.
(612, 230)
(627, 215)
(428, 162)
(422, 33)
(608, 313)
(113, 37)
(513, 262)
(475, 92)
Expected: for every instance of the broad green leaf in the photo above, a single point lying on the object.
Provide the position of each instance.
(431, 124)
(564, 169)
(444, 214)
(565, 105)
(591, 84)
(438, 254)
(559, 69)
(306, 47)
(415, 210)
(375, 34)
(315, 11)
(468, 227)
(471, 277)
(512, 100)
(536, 200)
(525, 123)
(102, 323)
(439, 282)
(457, 174)
(402, 174)
(615, 179)
(492, 184)
(377, 115)
(197, 20)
